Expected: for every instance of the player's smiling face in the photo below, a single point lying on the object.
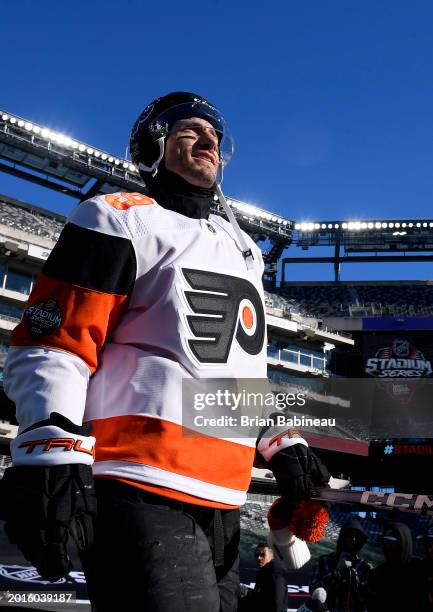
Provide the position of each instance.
(191, 151)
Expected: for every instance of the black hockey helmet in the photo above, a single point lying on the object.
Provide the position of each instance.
(157, 120)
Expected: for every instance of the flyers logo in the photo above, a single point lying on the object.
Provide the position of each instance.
(225, 307)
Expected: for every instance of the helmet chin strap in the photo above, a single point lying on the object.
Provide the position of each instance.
(154, 167)
(246, 251)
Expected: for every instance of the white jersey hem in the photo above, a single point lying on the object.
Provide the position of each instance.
(151, 475)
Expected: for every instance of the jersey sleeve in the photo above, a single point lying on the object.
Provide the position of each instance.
(78, 299)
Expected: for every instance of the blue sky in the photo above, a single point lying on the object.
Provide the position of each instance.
(330, 102)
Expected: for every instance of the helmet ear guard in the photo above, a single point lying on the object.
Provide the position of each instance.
(153, 169)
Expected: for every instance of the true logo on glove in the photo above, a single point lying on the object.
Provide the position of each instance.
(289, 433)
(68, 444)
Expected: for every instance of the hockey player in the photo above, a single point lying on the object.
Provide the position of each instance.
(140, 292)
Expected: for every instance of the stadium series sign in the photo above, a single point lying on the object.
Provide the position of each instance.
(400, 358)
(399, 366)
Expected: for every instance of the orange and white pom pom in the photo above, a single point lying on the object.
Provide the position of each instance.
(308, 520)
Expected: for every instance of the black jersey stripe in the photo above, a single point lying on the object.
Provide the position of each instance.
(92, 260)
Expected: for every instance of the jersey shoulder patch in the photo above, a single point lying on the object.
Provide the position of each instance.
(123, 200)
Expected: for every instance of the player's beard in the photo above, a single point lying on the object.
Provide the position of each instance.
(201, 172)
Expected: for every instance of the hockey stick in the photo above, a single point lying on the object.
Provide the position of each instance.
(406, 502)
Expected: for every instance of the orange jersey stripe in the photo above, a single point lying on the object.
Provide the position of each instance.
(172, 494)
(168, 446)
(87, 318)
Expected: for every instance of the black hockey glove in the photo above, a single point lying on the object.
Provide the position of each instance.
(294, 465)
(49, 495)
(297, 469)
(42, 506)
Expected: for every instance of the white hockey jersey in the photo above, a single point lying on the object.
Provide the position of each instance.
(133, 299)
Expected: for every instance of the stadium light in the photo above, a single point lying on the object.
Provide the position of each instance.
(357, 226)
(254, 214)
(64, 141)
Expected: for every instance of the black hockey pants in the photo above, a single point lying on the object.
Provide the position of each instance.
(154, 554)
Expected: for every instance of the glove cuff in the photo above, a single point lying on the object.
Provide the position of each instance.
(278, 438)
(50, 445)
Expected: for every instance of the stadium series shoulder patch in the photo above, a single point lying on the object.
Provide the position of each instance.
(43, 318)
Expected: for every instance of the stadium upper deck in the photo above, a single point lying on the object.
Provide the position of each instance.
(30, 219)
(362, 298)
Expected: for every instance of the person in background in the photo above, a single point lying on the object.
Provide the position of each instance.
(425, 572)
(270, 591)
(394, 585)
(343, 574)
